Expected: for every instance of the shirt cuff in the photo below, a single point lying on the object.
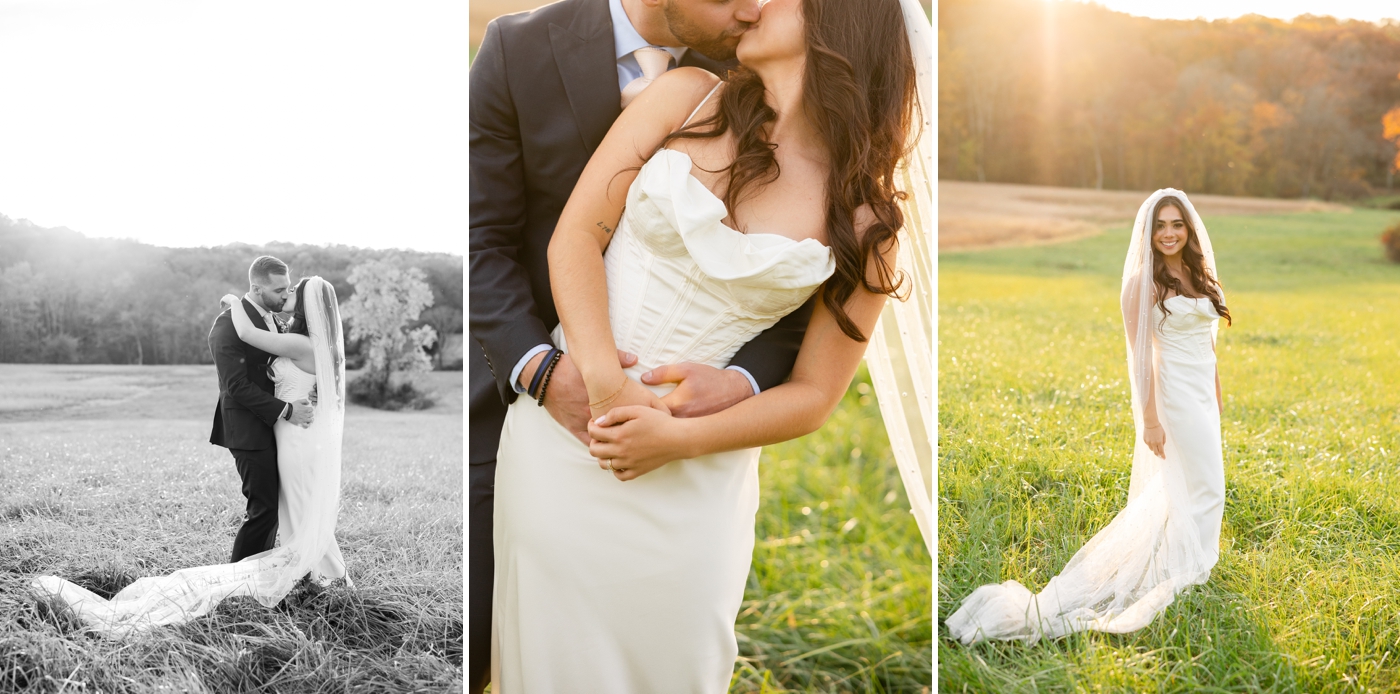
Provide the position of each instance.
(285, 409)
(520, 366)
(747, 375)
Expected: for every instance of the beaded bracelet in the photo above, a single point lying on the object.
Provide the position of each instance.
(535, 382)
(548, 372)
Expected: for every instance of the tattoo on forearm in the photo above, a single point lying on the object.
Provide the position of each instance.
(606, 229)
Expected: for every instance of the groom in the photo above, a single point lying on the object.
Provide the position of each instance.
(545, 87)
(247, 409)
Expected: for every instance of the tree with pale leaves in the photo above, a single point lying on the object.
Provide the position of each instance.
(386, 299)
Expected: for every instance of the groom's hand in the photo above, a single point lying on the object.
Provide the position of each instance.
(566, 398)
(701, 390)
(302, 413)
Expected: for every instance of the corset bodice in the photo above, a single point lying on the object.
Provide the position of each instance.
(289, 382)
(1185, 334)
(682, 286)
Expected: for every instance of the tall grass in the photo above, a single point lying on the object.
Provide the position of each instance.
(106, 475)
(839, 597)
(1036, 439)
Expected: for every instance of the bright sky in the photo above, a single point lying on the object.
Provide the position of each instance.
(185, 123)
(1369, 10)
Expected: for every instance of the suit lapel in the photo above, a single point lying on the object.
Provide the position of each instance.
(584, 53)
(252, 312)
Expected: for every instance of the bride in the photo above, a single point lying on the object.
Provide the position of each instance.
(708, 212)
(310, 355)
(1168, 535)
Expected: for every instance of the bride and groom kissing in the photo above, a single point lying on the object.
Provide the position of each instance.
(668, 270)
(281, 414)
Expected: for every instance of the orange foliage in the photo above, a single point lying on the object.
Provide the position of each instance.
(1391, 122)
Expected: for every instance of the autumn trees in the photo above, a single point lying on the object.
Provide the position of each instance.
(65, 297)
(1073, 94)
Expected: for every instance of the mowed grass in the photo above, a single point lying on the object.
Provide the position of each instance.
(106, 475)
(839, 597)
(1036, 437)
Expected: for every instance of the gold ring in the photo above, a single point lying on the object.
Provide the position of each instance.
(610, 467)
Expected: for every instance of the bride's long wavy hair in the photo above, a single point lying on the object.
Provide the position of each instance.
(859, 89)
(298, 323)
(1191, 258)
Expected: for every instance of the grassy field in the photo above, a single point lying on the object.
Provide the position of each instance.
(106, 475)
(1036, 438)
(839, 597)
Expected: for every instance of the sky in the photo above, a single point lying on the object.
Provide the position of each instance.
(193, 123)
(1369, 10)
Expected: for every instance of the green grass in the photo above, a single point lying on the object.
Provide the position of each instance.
(1035, 448)
(106, 475)
(839, 597)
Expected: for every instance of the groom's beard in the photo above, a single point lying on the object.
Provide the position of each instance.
(268, 304)
(719, 48)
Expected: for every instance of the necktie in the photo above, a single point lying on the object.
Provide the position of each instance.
(653, 62)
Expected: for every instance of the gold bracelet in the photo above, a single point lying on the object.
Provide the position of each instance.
(608, 399)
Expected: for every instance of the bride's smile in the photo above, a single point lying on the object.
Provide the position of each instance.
(1169, 234)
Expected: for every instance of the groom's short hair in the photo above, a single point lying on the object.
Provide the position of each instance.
(263, 268)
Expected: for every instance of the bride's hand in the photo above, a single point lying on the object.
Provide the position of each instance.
(1156, 439)
(227, 301)
(634, 440)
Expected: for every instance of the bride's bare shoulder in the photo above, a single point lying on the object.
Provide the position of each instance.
(673, 96)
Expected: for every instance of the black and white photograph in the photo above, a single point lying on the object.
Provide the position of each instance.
(231, 346)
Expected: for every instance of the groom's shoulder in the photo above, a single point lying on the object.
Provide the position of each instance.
(223, 321)
(538, 20)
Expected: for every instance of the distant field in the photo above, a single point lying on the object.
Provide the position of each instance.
(106, 474)
(1036, 439)
(992, 215)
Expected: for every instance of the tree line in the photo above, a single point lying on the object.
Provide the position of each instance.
(67, 298)
(1073, 94)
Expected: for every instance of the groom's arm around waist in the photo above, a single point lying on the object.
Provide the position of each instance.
(504, 318)
(231, 364)
(769, 357)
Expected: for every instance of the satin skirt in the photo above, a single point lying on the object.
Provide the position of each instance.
(609, 586)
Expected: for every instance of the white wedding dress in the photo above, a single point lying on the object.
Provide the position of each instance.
(1168, 535)
(308, 501)
(634, 587)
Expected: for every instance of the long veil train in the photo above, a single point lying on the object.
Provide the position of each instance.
(901, 352)
(309, 465)
(1153, 549)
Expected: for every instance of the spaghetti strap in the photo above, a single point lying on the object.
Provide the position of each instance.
(702, 103)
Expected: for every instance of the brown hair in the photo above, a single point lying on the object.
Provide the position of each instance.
(1192, 258)
(859, 90)
(264, 267)
(298, 323)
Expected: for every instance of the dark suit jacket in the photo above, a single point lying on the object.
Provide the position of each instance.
(247, 409)
(543, 94)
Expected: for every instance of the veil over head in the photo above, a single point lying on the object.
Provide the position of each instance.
(308, 504)
(1138, 297)
(1153, 548)
(328, 345)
